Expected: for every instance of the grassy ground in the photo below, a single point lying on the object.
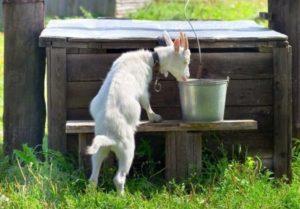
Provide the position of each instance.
(27, 182)
(55, 183)
(205, 9)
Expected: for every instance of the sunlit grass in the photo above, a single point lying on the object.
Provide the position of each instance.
(28, 182)
(203, 9)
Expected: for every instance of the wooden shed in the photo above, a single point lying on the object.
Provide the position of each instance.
(258, 61)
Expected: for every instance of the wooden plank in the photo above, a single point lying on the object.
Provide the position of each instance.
(240, 92)
(242, 144)
(57, 99)
(114, 29)
(89, 67)
(262, 114)
(183, 154)
(91, 51)
(82, 145)
(94, 67)
(170, 158)
(267, 163)
(165, 126)
(24, 72)
(282, 112)
(253, 142)
(286, 19)
(80, 94)
(195, 155)
(235, 65)
(72, 51)
(147, 44)
(204, 126)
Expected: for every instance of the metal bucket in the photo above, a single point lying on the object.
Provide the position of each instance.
(203, 99)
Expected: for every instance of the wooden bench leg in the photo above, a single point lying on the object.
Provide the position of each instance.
(82, 143)
(183, 154)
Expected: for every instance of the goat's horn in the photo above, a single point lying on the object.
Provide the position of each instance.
(186, 45)
(182, 40)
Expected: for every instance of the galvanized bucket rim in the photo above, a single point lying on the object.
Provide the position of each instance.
(204, 82)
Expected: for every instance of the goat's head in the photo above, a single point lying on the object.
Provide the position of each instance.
(176, 57)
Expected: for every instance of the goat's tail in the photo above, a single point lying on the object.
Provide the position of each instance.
(99, 141)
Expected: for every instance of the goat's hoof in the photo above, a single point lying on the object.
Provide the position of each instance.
(91, 186)
(155, 118)
(121, 193)
(93, 182)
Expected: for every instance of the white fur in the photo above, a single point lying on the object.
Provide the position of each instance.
(116, 108)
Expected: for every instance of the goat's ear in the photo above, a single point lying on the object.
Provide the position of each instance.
(167, 38)
(166, 74)
(176, 45)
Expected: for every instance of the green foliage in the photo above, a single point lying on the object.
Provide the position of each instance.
(202, 9)
(86, 13)
(54, 182)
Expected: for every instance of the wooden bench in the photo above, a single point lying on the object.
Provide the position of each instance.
(183, 140)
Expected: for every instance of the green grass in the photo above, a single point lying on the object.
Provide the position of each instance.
(205, 9)
(28, 182)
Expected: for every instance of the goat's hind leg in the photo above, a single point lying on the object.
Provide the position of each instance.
(125, 158)
(97, 160)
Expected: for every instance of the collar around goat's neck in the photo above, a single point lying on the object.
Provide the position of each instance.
(156, 63)
(156, 71)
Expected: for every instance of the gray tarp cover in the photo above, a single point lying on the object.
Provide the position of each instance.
(116, 29)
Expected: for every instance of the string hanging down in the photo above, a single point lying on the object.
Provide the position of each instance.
(199, 73)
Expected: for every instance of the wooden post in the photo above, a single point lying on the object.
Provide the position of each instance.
(282, 111)
(183, 154)
(24, 69)
(82, 145)
(285, 18)
(57, 82)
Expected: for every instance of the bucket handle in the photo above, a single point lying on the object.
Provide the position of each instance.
(228, 78)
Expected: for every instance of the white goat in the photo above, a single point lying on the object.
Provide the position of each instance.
(116, 108)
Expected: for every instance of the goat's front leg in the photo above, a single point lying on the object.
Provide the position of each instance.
(145, 103)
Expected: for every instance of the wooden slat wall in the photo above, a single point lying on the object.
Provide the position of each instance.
(249, 95)
(240, 93)
(233, 65)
